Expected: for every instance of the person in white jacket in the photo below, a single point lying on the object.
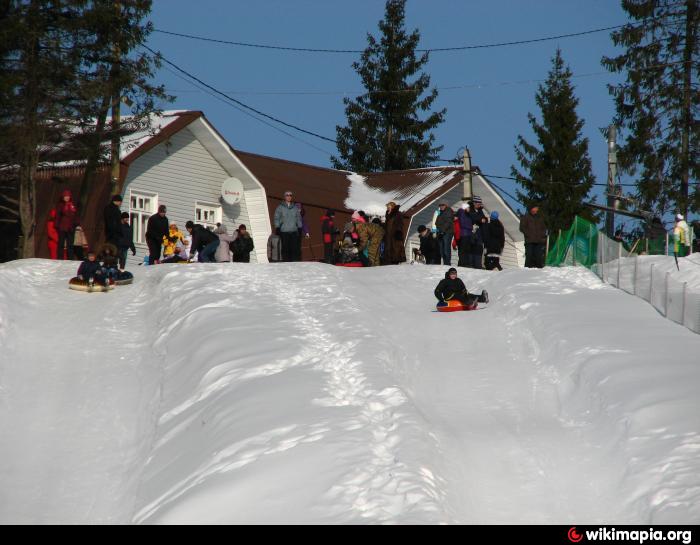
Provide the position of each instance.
(681, 237)
(223, 253)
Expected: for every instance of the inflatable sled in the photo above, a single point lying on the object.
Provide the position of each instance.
(82, 285)
(350, 264)
(453, 306)
(123, 278)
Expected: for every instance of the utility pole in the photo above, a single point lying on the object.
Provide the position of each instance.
(116, 103)
(612, 175)
(467, 181)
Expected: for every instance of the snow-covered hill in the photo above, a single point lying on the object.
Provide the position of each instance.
(309, 393)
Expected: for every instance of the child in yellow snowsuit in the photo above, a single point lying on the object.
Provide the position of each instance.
(170, 243)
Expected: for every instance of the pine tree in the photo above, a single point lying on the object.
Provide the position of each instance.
(384, 130)
(559, 173)
(659, 103)
(59, 72)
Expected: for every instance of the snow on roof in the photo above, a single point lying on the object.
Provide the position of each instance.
(373, 200)
(144, 132)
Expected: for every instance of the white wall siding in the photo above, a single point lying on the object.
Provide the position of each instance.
(181, 171)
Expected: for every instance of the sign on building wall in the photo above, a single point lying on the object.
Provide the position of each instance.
(232, 191)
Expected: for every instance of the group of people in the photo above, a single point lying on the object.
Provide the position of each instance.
(479, 239)
(201, 243)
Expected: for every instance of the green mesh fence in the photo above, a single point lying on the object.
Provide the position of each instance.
(576, 246)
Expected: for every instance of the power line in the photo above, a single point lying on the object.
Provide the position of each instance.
(430, 50)
(277, 120)
(217, 97)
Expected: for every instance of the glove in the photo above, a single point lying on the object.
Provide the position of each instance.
(277, 231)
(308, 235)
(433, 230)
(133, 252)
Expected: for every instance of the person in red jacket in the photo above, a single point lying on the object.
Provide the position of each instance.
(67, 219)
(52, 234)
(329, 231)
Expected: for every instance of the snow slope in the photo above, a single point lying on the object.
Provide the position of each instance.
(309, 393)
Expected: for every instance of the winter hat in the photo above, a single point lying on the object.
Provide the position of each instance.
(465, 206)
(357, 217)
(330, 212)
(66, 193)
(422, 228)
(162, 208)
(679, 217)
(189, 225)
(392, 204)
(242, 226)
(451, 270)
(221, 230)
(476, 199)
(494, 215)
(117, 198)
(125, 215)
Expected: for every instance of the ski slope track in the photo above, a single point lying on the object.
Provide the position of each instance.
(239, 393)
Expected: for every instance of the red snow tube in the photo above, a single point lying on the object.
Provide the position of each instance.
(453, 306)
(351, 264)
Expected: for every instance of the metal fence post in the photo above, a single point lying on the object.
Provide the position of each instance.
(619, 262)
(666, 252)
(685, 292)
(668, 274)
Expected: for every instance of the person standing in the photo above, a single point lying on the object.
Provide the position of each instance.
(394, 251)
(444, 223)
(533, 227)
(52, 235)
(428, 246)
(479, 220)
(125, 241)
(243, 245)
(465, 235)
(67, 219)
(329, 232)
(495, 240)
(371, 236)
(156, 228)
(223, 251)
(113, 220)
(681, 237)
(288, 225)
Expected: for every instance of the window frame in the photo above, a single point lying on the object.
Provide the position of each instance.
(138, 227)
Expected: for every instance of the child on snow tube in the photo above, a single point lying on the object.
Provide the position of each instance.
(452, 288)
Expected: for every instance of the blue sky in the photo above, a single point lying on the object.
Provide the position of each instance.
(496, 86)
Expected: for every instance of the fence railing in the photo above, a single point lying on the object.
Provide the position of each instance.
(651, 278)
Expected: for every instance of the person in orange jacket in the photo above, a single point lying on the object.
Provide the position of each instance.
(52, 234)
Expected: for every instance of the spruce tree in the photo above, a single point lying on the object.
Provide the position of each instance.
(384, 129)
(658, 105)
(558, 173)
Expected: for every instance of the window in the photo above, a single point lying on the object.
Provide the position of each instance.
(206, 214)
(141, 207)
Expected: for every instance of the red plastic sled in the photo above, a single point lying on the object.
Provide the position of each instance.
(351, 264)
(453, 306)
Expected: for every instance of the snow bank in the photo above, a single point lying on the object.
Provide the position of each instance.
(310, 393)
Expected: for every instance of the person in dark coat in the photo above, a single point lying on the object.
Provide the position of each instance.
(91, 270)
(67, 219)
(533, 227)
(242, 246)
(204, 242)
(479, 219)
(125, 240)
(156, 228)
(329, 232)
(465, 235)
(445, 231)
(113, 220)
(495, 240)
(394, 251)
(429, 248)
(452, 287)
